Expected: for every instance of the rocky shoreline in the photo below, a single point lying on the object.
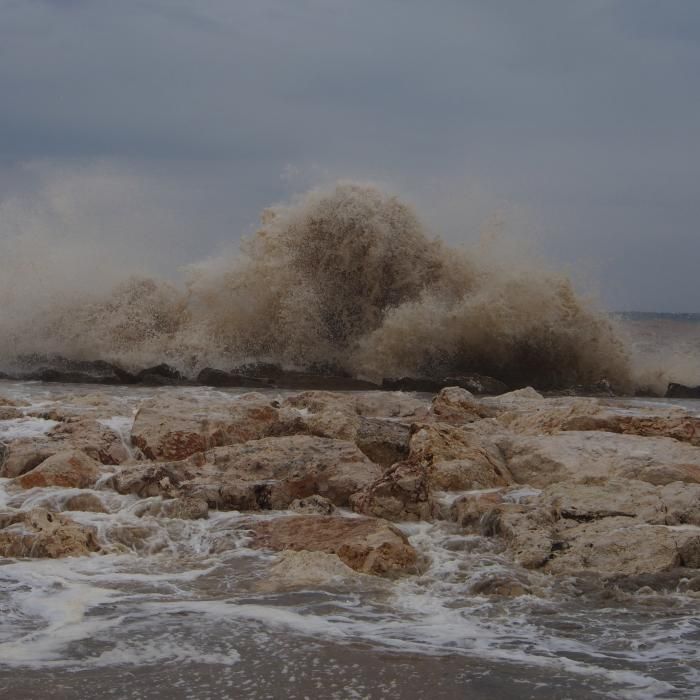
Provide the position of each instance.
(567, 488)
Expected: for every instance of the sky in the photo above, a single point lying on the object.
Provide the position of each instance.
(161, 128)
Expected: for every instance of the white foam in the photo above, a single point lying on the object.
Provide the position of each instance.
(25, 428)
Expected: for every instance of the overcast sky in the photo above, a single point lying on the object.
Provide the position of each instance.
(167, 125)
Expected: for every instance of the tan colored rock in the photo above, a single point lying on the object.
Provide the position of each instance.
(460, 458)
(662, 474)
(180, 508)
(620, 546)
(305, 569)
(529, 533)
(584, 502)
(672, 423)
(366, 545)
(323, 414)
(390, 404)
(471, 511)
(401, 493)
(520, 397)
(546, 459)
(537, 415)
(257, 475)
(173, 428)
(70, 469)
(312, 504)
(85, 435)
(10, 413)
(147, 479)
(458, 406)
(501, 584)
(41, 534)
(86, 502)
(384, 441)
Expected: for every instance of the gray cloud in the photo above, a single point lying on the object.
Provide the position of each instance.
(584, 115)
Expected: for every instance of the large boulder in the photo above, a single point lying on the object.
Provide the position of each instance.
(173, 428)
(257, 475)
(456, 405)
(401, 493)
(364, 544)
(670, 423)
(623, 547)
(86, 435)
(384, 441)
(39, 533)
(459, 458)
(70, 469)
(540, 460)
(592, 525)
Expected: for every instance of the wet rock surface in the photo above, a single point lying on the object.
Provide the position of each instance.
(366, 545)
(564, 484)
(41, 534)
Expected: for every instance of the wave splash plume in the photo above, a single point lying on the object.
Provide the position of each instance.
(346, 278)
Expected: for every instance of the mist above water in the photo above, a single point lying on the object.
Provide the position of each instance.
(345, 277)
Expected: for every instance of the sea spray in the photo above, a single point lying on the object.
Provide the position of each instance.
(345, 277)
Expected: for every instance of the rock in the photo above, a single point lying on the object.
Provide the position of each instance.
(527, 531)
(257, 475)
(324, 414)
(677, 425)
(460, 459)
(40, 533)
(390, 404)
(662, 474)
(305, 569)
(180, 508)
(585, 502)
(10, 413)
(365, 545)
(82, 434)
(583, 526)
(681, 391)
(312, 504)
(522, 399)
(170, 428)
(502, 584)
(161, 375)
(146, 480)
(384, 441)
(681, 503)
(70, 469)
(472, 511)
(458, 406)
(60, 369)
(618, 546)
(86, 502)
(546, 459)
(401, 493)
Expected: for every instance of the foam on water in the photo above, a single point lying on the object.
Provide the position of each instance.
(24, 428)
